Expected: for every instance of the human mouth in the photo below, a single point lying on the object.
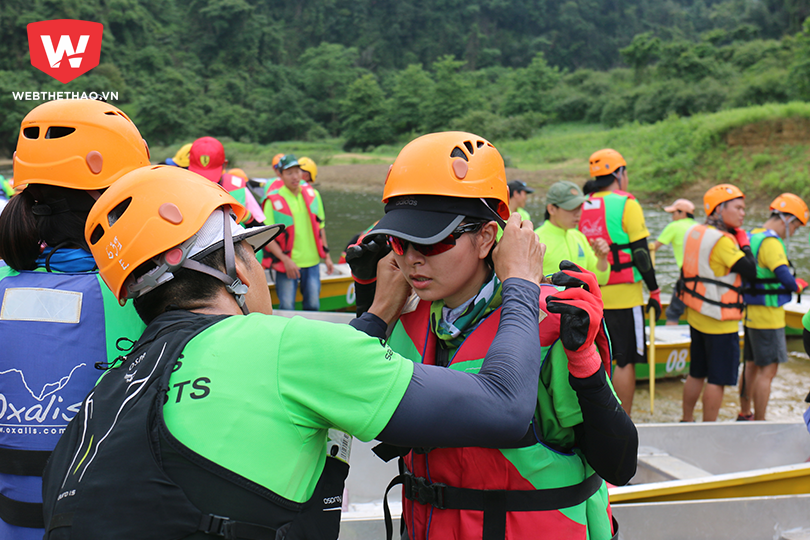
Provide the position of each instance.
(420, 282)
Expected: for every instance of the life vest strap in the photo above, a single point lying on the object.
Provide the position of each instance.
(739, 290)
(495, 503)
(617, 266)
(21, 514)
(234, 530)
(23, 462)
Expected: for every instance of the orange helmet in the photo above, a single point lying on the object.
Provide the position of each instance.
(449, 164)
(718, 195)
(788, 203)
(161, 213)
(240, 173)
(604, 162)
(77, 143)
(276, 159)
(308, 165)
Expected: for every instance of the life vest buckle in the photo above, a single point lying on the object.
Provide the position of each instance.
(420, 490)
(218, 526)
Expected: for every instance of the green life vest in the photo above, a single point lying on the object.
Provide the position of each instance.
(766, 289)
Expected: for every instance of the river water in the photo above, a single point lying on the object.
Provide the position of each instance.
(348, 213)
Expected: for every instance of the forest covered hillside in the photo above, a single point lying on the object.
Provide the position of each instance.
(374, 72)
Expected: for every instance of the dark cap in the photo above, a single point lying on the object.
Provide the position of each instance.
(287, 161)
(518, 185)
(426, 219)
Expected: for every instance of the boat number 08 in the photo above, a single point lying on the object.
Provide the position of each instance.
(677, 360)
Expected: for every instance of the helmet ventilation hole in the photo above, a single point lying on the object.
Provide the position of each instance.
(460, 168)
(95, 161)
(116, 213)
(170, 213)
(57, 132)
(98, 232)
(479, 144)
(31, 132)
(458, 152)
(469, 146)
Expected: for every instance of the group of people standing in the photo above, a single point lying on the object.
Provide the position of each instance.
(727, 275)
(289, 199)
(147, 391)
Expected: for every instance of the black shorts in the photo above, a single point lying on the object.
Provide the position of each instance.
(627, 338)
(715, 357)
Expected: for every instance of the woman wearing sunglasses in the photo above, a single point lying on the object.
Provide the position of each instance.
(445, 196)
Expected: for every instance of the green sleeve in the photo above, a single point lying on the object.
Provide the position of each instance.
(332, 375)
(668, 234)
(120, 322)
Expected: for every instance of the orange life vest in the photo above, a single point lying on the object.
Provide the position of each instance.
(718, 297)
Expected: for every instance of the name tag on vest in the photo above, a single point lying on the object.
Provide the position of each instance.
(41, 305)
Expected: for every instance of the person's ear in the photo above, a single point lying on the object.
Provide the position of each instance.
(241, 270)
(486, 238)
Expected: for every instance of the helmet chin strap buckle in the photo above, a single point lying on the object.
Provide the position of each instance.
(237, 288)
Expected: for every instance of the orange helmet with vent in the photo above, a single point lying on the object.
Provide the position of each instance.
(77, 143)
(276, 159)
(156, 213)
(719, 194)
(604, 162)
(788, 203)
(450, 164)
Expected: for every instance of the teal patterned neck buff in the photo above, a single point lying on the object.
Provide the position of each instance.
(452, 326)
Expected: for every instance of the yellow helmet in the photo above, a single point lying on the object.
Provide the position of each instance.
(308, 165)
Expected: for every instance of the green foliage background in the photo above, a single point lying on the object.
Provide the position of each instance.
(375, 72)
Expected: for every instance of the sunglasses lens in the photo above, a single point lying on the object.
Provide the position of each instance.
(397, 245)
(400, 246)
(434, 249)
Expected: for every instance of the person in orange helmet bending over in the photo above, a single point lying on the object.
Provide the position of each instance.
(765, 346)
(222, 410)
(716, 258)
(57, 319)
(613, 214)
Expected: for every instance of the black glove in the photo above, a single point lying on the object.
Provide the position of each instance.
(364, 256)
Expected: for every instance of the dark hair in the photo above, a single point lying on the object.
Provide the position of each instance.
(690, 216)
(188, 289)
(546, 216)
(42, 213)
(482, 222)
(589, 187)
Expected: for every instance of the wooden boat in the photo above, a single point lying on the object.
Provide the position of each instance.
(735, 480)
(671, 352)
(337, 289)
(794, 311)
(750, 518)
(717, 460)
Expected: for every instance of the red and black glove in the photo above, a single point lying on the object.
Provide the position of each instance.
(580, 309)
(742, 237)
(655, 303)
(802, 285)
(364, 256)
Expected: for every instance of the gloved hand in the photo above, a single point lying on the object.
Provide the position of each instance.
(580, 309)
(364, 256)
(655, 303)
(802, 285)
(742, 237)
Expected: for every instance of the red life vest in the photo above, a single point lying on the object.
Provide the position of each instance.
(283, 214)
(490, 473)
(602, 218)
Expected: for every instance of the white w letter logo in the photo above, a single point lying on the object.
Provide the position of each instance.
(65, 47)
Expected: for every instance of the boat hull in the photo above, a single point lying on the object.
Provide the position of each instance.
(337, 290)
